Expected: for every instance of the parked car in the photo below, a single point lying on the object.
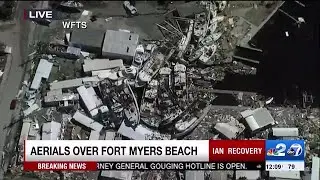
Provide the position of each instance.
(13, 104)
(130, 8)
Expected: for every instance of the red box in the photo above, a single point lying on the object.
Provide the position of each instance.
(236, 150)
(60, 166)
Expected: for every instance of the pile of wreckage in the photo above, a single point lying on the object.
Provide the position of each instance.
(139, 91)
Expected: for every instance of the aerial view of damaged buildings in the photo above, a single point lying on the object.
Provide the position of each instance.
(133, 89)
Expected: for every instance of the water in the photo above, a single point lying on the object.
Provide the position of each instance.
(290, 65)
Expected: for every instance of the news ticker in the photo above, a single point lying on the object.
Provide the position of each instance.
(95, 166)
(271, 154)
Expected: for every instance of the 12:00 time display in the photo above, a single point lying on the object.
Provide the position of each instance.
(273, 166)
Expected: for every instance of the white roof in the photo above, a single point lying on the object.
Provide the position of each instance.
(102, 73)
(43, 71)
(90, 79)
(119, 50)
(95, 97)
(86, 121)
(25, 131)
(248, 174)
(72, 83)
(138, 134)
(100, 64)
(89, 97)
(51, 130)
(194, 175)
(122, 37)
(66, 84)
(285, 174)
(110, 135)
(315, 171)
(121, 175)
(94, 135)
(285, 132)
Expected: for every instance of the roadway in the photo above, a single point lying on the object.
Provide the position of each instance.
(17, 37)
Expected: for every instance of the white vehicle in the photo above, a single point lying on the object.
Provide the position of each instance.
(130, 8)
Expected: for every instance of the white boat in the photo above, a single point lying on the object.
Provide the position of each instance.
(208, 54)
(201, 26)
(216, 36)
(195, 55)
(209, 40)
(213, 26)
(217, 19)
(149, 115)
(181, 126)
(131, 111)
(198, 111)
(138, 57)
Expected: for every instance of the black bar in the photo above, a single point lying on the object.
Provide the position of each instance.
(180, 166)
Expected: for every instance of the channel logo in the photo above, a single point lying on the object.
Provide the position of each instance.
(295, 150)
(285, 150)
(279, 150)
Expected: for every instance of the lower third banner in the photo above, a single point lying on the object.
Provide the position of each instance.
(94, 166)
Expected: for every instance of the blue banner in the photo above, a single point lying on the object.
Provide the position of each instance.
(285, 150)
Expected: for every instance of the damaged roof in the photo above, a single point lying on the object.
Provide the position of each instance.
(139, 133)
(258, 118)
